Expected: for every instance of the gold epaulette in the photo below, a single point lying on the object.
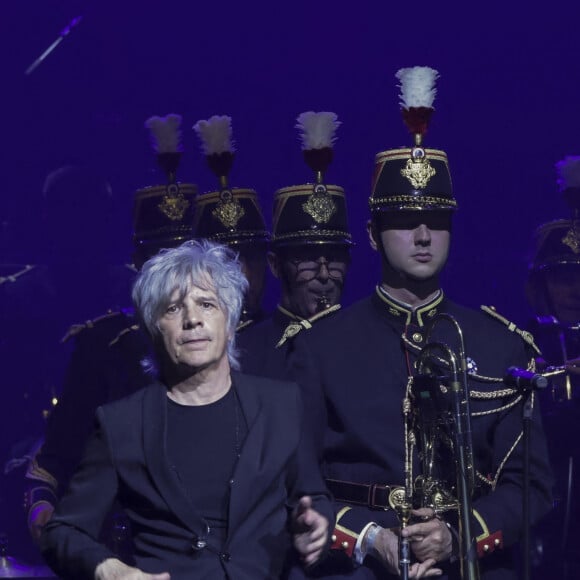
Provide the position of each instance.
(526, 336)
(244, 324)
(297, 325)
(77, 328)
(16, 275)
(132, 328)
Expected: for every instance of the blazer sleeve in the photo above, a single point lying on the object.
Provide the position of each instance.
(69, 541)
(304, 475)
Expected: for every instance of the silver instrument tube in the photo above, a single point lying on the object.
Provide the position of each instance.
(462, 439)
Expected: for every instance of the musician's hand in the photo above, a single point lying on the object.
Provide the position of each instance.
(430, 538)
(386, 549)
(38, 517)
(113, 569)
(310, 531)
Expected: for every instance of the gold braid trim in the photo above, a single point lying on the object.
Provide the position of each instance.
(37, 473)
(244, 324)
(133, 328)
(526, 336)
(509, 405)
(341, 513)
(482, 395)
(494, 481)
(296, 326)
(16, 275)
(499, 394)
(483, 525)
(77, 328)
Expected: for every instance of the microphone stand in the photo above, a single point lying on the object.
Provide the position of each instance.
(527, 422)
(526, 382)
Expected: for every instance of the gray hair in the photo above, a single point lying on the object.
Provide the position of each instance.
(210, 266)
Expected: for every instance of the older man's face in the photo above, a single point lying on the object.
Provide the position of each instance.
(194, 330)
(312, 277)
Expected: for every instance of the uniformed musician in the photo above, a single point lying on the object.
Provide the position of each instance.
(355, 369)
(310, 253)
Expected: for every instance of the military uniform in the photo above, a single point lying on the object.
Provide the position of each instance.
(364, 376)
(105, 366)
(37, 304)
(311, 215)
(553, 290)
(266, 346)
(363, 371)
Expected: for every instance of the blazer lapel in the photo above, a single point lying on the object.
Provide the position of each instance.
(164, 477)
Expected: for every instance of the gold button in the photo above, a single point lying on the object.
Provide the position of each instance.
(344, 545)
(486, 547)
(333, 538)
(417, 337)
(496, 542)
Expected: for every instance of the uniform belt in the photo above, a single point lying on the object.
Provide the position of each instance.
(373, 495)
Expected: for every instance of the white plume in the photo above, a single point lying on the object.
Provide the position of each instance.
(318, 130)
(417, 86)
(215, 134)
(568, 170)
(165, 133)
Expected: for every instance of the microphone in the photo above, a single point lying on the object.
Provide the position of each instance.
(547, 321)
(524, 380)
(552, 322)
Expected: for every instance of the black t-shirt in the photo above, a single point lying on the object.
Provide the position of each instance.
(203, 445)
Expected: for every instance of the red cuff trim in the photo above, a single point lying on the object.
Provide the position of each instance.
(343, 541)
(489, 544)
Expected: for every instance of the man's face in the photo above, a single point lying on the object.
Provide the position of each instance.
(194, 330)
(253, 261)
(415, 244)
(563, 286)
(312, 276)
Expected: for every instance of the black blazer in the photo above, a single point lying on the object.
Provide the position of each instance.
(126, 460)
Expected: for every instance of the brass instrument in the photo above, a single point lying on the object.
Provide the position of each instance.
(561, 390)
(322, 303)
(438, 422)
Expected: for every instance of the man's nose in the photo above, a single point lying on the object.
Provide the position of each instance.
(191, 318)
(422, 235)
(323, 271)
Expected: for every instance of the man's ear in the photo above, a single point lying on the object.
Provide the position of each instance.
(274, 263)
(373, 235)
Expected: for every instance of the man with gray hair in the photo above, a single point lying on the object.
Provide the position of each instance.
(212, 466)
